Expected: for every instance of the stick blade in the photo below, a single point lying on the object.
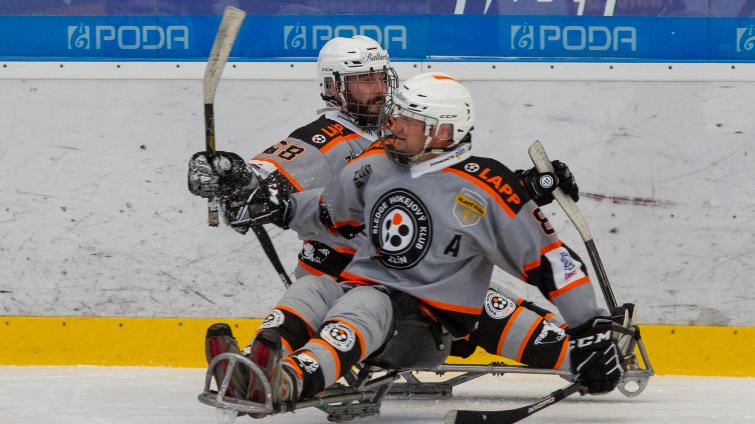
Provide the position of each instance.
(228, 30)
(486, 417)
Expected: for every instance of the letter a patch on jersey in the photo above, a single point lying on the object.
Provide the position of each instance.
(469, 207)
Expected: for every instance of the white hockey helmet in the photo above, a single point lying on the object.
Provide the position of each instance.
(434, 98)
(340, 59)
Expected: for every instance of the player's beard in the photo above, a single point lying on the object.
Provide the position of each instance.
(361, 112)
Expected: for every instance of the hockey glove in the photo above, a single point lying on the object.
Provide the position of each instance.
(223, 175)
(540, 185)
(595, 357)
(265, 205)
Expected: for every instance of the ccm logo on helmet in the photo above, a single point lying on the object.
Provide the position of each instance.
(589, 340)
(448, 116)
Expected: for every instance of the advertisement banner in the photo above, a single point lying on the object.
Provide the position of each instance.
(508, 30)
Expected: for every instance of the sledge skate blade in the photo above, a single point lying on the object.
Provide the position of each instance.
(219, 399)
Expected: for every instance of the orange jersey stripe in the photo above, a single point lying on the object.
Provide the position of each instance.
(365, 154)
(360, 337)
(309, 269)
(286, 347)
(310, 329)
(337, 141)
(536, 263)
(523, 345)
(556, 293)
(295, 366)
(532, 265)
(356, 279)
(485, 188)
(506, 329)
(451, 307)
(280, 169)
(553, 246)
(333, 352)
(340, 224)
(345, 250)
(562, 355)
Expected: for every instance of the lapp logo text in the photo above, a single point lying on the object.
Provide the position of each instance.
(573, 38)
(128, 37)
(313, 37)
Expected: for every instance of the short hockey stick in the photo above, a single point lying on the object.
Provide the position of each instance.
(228, 30)
(543, 164)
(509, 415)
(221, 49)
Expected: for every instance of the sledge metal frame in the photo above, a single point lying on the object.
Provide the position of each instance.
(361, 394)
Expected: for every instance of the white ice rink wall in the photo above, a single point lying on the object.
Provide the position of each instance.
(96, 220)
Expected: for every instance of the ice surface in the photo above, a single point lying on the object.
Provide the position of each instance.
(120, 395)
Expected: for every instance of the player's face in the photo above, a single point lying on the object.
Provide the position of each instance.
(408, 135)
(367, 91)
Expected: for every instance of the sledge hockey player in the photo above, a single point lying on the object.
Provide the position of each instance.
(437, 220)
(356, 78)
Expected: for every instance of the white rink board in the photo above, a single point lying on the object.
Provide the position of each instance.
(94, 225)
(130, 395)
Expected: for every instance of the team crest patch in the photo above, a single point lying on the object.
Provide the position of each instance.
(274, 319)
(497, 306)
(338, 335)
(400, 228)
(469, 207)
(307, 362)
(319, 139)
(550, 334)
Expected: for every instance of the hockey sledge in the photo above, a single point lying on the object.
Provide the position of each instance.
(360, 392)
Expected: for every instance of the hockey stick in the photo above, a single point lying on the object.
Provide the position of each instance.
(221, 49)
(543, 164)
(228, 30)
(272, 255)
(510, 415)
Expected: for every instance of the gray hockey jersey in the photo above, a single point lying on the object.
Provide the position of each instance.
(310, 158)
(437, 233)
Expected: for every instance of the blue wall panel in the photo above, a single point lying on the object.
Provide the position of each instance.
(638, 30)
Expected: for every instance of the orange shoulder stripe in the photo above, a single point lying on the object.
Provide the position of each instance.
(285, 173)
(365, 154)
(332, 143)
(486, 188)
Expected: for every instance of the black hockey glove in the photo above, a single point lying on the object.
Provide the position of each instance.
(595, 357)
(541, 185)
(265, 205)
(226, 175)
